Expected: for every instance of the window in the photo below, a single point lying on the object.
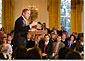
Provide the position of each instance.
(65, 15)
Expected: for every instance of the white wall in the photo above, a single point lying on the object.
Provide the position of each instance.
(43, 15)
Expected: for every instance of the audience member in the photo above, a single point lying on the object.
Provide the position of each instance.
(20, 53)
(71, 42)
(29, 42)
(43, 27)
(57, 46)
(46, 47)
(34, 53)
(62, 52)
(73, 55)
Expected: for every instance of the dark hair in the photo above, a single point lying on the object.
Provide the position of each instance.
(34, 53)
(73, 55)
(2, 28)
(20, 53)
(73, 36)
(24, 10)
(8, 35)
(47, 35)
(62, 52)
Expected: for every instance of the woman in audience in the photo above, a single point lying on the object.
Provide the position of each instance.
(71, 42)
(6, 49)
(2, 32)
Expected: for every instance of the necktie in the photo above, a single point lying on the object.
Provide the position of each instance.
(45, 47)
(56, 49)
(24, 22)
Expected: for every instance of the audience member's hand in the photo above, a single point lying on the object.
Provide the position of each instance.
(33, 23)
(44, 54)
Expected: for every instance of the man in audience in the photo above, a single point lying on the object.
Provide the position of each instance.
(73, 55)
(62, 52)
(53, 37)
(46, 47)
(30, 43)
(64, 39)
(45, 28)
(54, 29)
(62, 30)
(57, 46)
(34, 53)
(20, 53)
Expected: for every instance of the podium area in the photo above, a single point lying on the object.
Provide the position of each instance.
(38, 32)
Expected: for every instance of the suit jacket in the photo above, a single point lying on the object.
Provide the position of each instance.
(58, 32)
(20, 33)
(48, 50)
(61, 32)
(61, 45)
(73, 45)
(48, 30)
(30, 44)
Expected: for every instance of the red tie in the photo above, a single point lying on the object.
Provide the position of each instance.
(45, 47)
(56, 49)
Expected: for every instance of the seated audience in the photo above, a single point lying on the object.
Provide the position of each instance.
(6, 49)
(62, 52)
(34, 53)
(73, 55)
(80, 45)
(20, 53)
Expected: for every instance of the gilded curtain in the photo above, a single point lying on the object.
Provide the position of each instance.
(77, 16)
(53, 8)
(8, 15)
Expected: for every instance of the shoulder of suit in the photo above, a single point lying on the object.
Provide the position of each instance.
(20, 18)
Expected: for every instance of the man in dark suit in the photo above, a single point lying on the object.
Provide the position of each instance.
(54, 29)
(45, 28)
(62, 30)
(30, 42)
(46, 47)
(21, 29)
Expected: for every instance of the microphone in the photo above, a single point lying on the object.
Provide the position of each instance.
(39, 23)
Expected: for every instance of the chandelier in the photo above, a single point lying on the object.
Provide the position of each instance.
(34, 13)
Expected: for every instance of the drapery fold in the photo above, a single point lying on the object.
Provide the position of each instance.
(77, 16)
(54, 8)
(8, 15)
